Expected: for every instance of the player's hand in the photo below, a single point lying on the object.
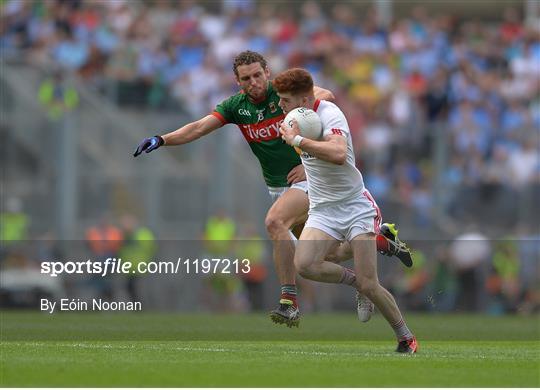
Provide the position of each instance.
(296, 175)
(149, 144)
(288, 133)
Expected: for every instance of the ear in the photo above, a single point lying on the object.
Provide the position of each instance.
(267, 72)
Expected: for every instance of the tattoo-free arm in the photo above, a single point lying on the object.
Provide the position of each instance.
(332, 149)
(192, 131)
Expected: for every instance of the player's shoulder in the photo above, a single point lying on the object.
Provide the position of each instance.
(236, 99)
(327, 109)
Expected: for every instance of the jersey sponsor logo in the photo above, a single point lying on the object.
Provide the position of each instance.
(263, 131)
(243, 111)
(337, 131)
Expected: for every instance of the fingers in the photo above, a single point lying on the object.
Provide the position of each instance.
(290, 176)
(294, 176)
(293, 179)
(138, 151)
(141, 148)
(283, 128)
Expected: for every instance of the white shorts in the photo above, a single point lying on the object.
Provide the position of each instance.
(276, 192)
(344, 221)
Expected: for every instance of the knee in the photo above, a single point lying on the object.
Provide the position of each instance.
(339, 254)
(274, 224)
(332, 258)
(367, 286)
(303, 268)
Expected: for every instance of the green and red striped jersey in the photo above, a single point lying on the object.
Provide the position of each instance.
(259, 124)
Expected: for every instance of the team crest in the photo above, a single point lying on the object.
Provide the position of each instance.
(273, 107)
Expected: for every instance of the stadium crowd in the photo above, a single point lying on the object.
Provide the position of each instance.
(406, 87)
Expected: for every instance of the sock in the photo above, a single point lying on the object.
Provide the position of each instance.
(288, 294)
(382, 243)
(348, 277)
(401, 330)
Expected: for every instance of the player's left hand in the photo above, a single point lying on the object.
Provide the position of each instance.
(297, 174)
(288, 133)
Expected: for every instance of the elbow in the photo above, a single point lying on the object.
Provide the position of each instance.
(340, 158)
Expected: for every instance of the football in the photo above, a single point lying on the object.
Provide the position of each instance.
(308, 121)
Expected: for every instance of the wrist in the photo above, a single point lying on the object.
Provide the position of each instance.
(161, 140)
(297, 140)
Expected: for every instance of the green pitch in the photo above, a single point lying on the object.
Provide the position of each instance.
(332, 350)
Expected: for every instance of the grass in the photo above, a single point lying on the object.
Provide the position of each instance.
(248, 351)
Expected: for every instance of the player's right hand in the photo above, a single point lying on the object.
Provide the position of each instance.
(149, 144)
(296, 175)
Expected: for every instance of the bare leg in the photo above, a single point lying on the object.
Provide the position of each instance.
(344, 251)
(289, 210)
(311, 251)
(365, 265)
(340, 253)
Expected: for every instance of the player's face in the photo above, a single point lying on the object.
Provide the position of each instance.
(289, 102)
(253, 79)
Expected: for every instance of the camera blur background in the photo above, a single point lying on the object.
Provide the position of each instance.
(443, 102)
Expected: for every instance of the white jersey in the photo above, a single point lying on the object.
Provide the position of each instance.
(329, 183)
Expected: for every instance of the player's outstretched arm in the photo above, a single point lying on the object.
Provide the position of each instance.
(323, 94)
(183, 135)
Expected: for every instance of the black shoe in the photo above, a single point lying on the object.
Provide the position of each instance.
(396, 247)
(407, 346)
(287, 314)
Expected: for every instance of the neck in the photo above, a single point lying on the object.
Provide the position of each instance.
(258, 100)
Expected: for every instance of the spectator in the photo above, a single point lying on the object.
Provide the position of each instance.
(58, 96)
(14, 222)
(104, 241)
(138, 246)
(251, 246)
(469, 252)
(70, 53)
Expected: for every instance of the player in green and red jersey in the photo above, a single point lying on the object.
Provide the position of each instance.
(256, 112)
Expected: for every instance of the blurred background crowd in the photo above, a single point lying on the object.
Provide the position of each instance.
(443, 105)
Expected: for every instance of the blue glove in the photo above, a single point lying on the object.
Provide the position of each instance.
(149, 144)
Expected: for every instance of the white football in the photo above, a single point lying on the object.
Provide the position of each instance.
(308, 121)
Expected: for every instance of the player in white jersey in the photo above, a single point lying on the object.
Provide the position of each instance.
(341, 208)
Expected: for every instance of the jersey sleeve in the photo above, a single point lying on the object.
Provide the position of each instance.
(223, 111)
(334, 122)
